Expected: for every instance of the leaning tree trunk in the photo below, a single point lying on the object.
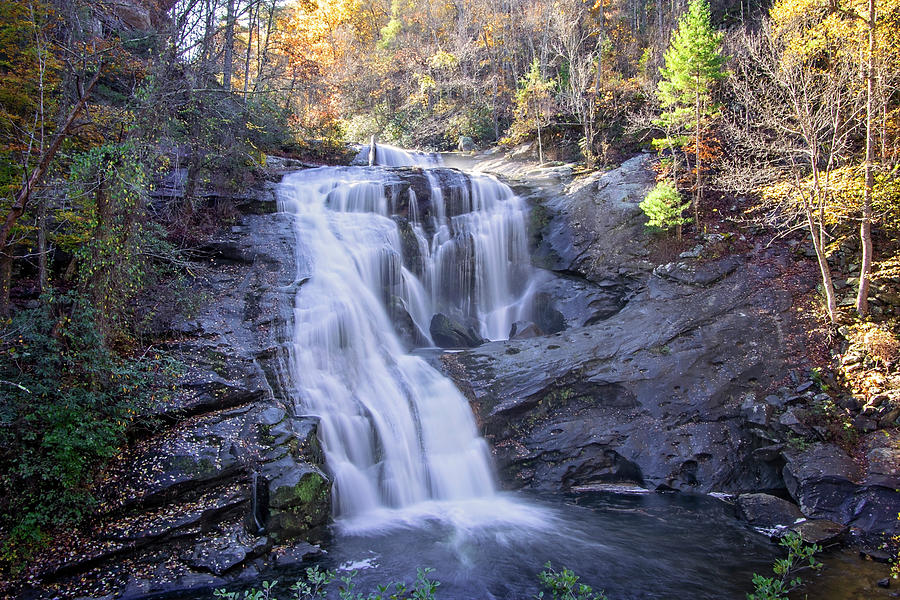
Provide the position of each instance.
(817, 232)
(24, 194)
(824, 268)
(228, 67)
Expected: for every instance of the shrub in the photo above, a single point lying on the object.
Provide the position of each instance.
(664, 208)
(563, 585)
(65, 405)
(800, 557)
(881, 345)
(315, 586)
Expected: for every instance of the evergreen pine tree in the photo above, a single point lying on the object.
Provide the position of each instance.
(693, 65)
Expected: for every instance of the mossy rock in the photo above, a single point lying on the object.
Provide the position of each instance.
(298, 487)
(299, 501)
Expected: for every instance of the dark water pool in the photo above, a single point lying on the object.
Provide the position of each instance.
(642, 546)
(631, 546)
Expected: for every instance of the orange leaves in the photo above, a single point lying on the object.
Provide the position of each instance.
(319, 31)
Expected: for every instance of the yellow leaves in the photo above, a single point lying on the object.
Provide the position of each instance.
(809, 28)
(443, 60)
(844, 189)
(787, 12)
(318, 32)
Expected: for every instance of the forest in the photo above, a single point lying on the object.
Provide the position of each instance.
(131, 129)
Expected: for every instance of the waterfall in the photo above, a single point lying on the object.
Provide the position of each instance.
(395, 431)
(392, 156)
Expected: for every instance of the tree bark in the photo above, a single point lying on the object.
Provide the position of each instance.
(249, 54)
(865, 226)
(540, 145)
(228, 67)
(43, 278)
(824, 268)
(698, 159)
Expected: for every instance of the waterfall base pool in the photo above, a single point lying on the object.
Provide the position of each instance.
(643, 546)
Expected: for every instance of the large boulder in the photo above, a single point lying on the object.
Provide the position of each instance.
(448, 333)
(523, 330)
(823, 480)
(767, 511)
(465, 144)
(830, 484)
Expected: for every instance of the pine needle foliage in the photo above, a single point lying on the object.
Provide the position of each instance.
(664, 207)
(693, 64)
(693, 61)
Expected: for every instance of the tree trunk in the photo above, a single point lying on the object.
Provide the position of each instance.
(589, 136)
(228, 67)
(249, 54)
(865, 226)
(43, 279)
(697, 154)
(815, 231)
(540, 145)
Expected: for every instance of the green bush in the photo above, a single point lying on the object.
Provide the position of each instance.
(800, 557)
(315, 586)
(66, 402)
(664, 208)
(563, 585)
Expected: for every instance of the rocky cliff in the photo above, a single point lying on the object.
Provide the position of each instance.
(232, 476)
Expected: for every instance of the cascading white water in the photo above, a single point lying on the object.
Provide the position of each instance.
(477, 262)
(392, 156)
(395, 431)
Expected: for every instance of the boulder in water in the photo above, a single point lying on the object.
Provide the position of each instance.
(406, 328)
(546, 316)
(448, 333)
(466, 144)
(767, 511)
(821, 531)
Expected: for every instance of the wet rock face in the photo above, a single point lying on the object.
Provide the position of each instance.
(829, 484)
(766, 511)
(644, 380)
(448, 333)
(652, 395)
(662, 376)
(596, 228)
(233, 469)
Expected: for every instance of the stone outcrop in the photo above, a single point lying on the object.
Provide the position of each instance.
(651, 395)
(448, 333)
(597, 228)
(232, 470)
(767, 511)
(663, 378)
